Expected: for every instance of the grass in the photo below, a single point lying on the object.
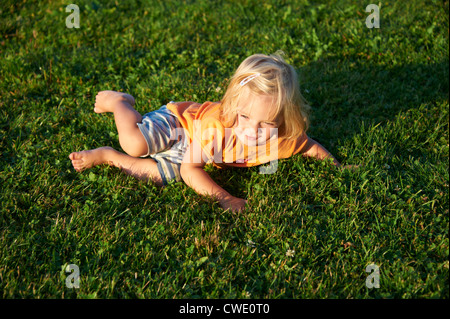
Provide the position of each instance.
(379, 98)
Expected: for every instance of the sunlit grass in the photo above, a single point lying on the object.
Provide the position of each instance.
(379, 98)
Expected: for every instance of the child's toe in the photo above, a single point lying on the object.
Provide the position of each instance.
(77, 162)
(75, 156)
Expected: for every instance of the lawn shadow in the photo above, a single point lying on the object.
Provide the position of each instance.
(343, 94)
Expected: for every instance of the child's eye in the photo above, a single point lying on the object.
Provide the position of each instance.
(243, 116)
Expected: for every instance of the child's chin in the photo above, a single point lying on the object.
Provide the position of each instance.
(252, 143)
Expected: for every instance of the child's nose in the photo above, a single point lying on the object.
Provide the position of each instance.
(252, 131)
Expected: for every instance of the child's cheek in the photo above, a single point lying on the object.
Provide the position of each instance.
(241, 123)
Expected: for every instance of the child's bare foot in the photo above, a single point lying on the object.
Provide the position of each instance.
(105, 101)
(87, 159)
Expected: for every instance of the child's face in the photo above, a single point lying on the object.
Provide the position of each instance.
(255, 118)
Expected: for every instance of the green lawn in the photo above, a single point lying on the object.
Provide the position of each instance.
(379, 98)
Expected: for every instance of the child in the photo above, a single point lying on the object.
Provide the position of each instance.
(261, 118)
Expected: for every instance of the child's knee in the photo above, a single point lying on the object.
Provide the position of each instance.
(135, 150)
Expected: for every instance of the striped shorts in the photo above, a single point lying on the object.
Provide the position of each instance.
(166, 142)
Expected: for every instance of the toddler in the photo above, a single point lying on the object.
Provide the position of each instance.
(261, 118)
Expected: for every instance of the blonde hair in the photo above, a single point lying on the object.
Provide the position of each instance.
(276, 78)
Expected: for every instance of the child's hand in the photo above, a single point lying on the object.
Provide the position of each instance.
(234, 203)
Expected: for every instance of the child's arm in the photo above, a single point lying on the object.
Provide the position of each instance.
(314, 149)
(195, 177)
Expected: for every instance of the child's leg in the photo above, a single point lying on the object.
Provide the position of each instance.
(140, 168)
(130, 137)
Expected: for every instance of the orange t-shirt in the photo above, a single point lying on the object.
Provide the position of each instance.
(221, 145)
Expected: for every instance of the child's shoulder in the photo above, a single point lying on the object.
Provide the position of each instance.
(191, 111)
(180, 108)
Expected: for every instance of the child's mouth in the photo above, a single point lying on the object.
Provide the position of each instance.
(251, 138)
